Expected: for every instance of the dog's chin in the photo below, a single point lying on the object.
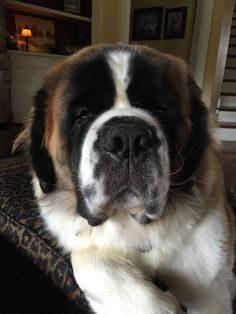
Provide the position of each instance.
(142, 216)
(142, 210)
(128, 200)
(133, 204)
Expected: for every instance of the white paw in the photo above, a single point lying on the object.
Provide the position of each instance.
(113, 287)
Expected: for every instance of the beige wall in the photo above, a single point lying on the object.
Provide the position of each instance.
(111, 19)
(179, 47)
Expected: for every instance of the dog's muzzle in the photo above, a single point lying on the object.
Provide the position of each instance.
(124, 167)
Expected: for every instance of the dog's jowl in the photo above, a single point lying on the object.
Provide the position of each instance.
(127, 178)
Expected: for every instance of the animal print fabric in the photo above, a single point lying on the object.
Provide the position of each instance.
(21, 224)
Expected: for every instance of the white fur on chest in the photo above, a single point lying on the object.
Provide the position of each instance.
(177, 244)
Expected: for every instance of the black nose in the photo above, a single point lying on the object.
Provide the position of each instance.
(125, 139)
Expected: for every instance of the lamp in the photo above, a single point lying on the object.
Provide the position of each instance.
(26, 33)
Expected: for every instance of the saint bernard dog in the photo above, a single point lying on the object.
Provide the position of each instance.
(126, 175)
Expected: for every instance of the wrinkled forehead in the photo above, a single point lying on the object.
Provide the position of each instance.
(114, 79)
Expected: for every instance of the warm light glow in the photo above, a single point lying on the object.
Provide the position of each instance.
(26, 32)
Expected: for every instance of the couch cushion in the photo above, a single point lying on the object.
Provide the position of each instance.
(21, 224)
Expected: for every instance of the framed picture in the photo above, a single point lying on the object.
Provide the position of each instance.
(71, 46)
(147, 23)
(43, 33)
(175, 22)
(72, 6)
(84, 38)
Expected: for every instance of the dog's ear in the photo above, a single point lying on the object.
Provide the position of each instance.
(41, 160)
(198, 138)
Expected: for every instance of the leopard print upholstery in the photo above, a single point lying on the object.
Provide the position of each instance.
(21, 224)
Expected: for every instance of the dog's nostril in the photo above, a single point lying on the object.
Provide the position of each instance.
(142, 142)
(114, 144)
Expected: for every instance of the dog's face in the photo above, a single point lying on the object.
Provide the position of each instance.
(121, 126)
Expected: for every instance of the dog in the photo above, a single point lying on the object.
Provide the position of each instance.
(127, 179)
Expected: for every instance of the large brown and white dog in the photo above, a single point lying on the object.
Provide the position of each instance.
(127, 179)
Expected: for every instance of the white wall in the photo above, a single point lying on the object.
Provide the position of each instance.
(27, 70)
(200, 40)
(217, 51)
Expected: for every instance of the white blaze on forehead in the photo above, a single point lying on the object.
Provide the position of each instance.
(119, 64)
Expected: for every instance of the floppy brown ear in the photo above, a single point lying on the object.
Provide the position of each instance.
(198, 137)
(41, 160)
(193, 134)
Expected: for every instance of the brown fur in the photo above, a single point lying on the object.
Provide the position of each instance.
(208, 178)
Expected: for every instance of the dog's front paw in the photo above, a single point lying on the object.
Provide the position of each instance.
(172, 305)
(112, 286)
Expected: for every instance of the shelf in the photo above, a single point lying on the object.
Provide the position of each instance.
(32, 8)
(36, 54)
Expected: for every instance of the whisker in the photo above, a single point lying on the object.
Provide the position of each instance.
(182, 165)
(179, 194)
(186, 181)
(190, 152)
(176, 156)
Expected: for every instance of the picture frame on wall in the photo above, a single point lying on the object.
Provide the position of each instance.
(84, 38)
(71, 46)
(72, 6)
(175, 23)
(147, 23)
(43, 33)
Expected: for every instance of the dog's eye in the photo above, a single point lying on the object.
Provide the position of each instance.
(83, 114)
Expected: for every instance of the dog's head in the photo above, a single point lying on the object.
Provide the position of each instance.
(121, 126)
